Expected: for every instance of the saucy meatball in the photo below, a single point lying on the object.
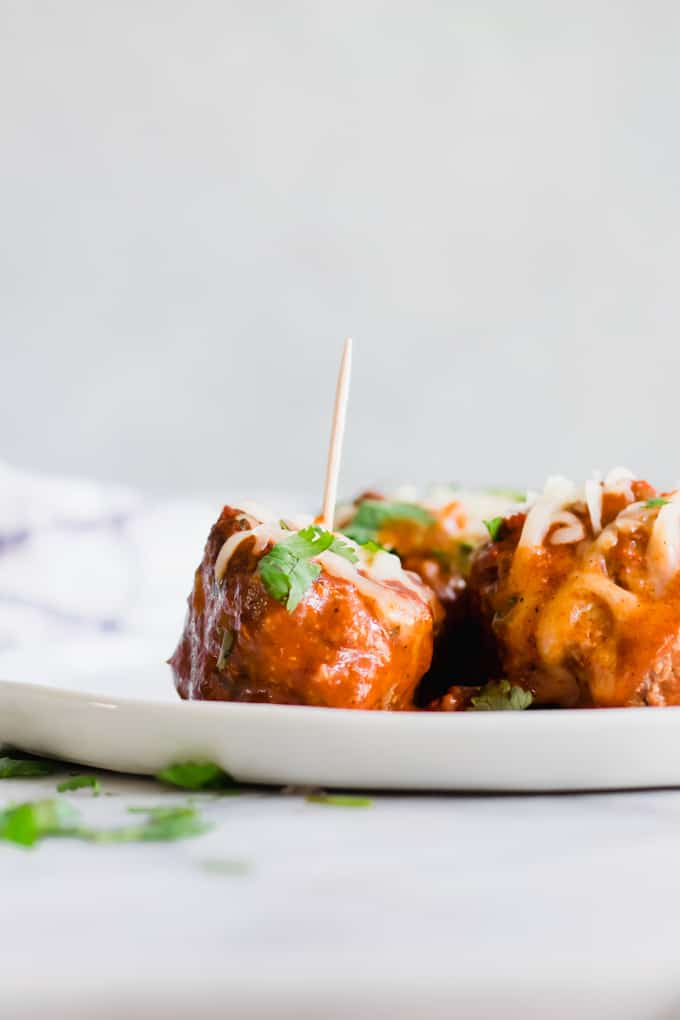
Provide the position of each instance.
(435, 538)
(271, 620)
(579, 594)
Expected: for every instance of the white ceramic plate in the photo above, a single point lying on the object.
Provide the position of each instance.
(128, 718)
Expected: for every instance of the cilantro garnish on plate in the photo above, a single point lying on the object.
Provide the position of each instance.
(338, 800)
(501, 696)
(26, 768)
(372, 514)
(195, 775)
(78, 783)
(288, 571)
(656, 501)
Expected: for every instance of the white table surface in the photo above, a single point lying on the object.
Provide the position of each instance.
(420, 906)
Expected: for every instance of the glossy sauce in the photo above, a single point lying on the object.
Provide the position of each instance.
(352, 642)
(585, 623)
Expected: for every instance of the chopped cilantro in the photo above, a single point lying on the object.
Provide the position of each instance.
(338, 800)
(26, 768)
(373, 547)
(494, 527)
(287, 571)
(514, 494)
(343, 549)
(224, 866)
(372, 514)
(78, 782)
(656, 501)
(195, 775)
(27, 823)
(500, 696)
(163, 824)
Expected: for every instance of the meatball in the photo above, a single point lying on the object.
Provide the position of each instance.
(356, 634)
(435, 538)
(579, 594)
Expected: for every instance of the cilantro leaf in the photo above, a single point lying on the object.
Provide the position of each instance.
(372, 514)
(78, 782)
(26, 768)
(287, 570)
(373, 547)
(275, 569)
(26, 823)
(338, 800)
(656, 501)
(500, 696)
(301, 577)
(514, 494)
(494, 527)
(162, 825)
(341, 548)
(195, 775)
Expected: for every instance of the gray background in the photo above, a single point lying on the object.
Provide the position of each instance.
(198, 201)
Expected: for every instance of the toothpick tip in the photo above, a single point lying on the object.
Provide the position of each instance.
(337, 432)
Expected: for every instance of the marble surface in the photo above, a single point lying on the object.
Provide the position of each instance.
(420, 906)
(428, 906)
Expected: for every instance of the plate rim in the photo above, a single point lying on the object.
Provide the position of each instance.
(569, 715)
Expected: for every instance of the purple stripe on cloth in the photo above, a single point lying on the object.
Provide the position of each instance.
(13, 539)
(104, 623)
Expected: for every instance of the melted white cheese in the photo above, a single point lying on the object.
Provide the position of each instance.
(619, 600)
(558, 493)
(549, 508)
(369, 575)
(371, 582)
(262, 533)
(572, 529)
(619, 479)
(593, 494)
(663, 551)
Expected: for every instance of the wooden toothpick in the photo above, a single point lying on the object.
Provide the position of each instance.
(330, 491)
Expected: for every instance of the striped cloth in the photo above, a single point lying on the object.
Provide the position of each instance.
(80, 558)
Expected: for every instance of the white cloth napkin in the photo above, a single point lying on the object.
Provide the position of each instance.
(83, 560)
(79, 558)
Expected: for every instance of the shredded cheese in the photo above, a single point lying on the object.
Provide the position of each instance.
(558, 493)
(371, 575)
(572, 529)
(549, 508)
(663, 551)
(593, 496)
(389, 601)
(262, 533)
(619, 480)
